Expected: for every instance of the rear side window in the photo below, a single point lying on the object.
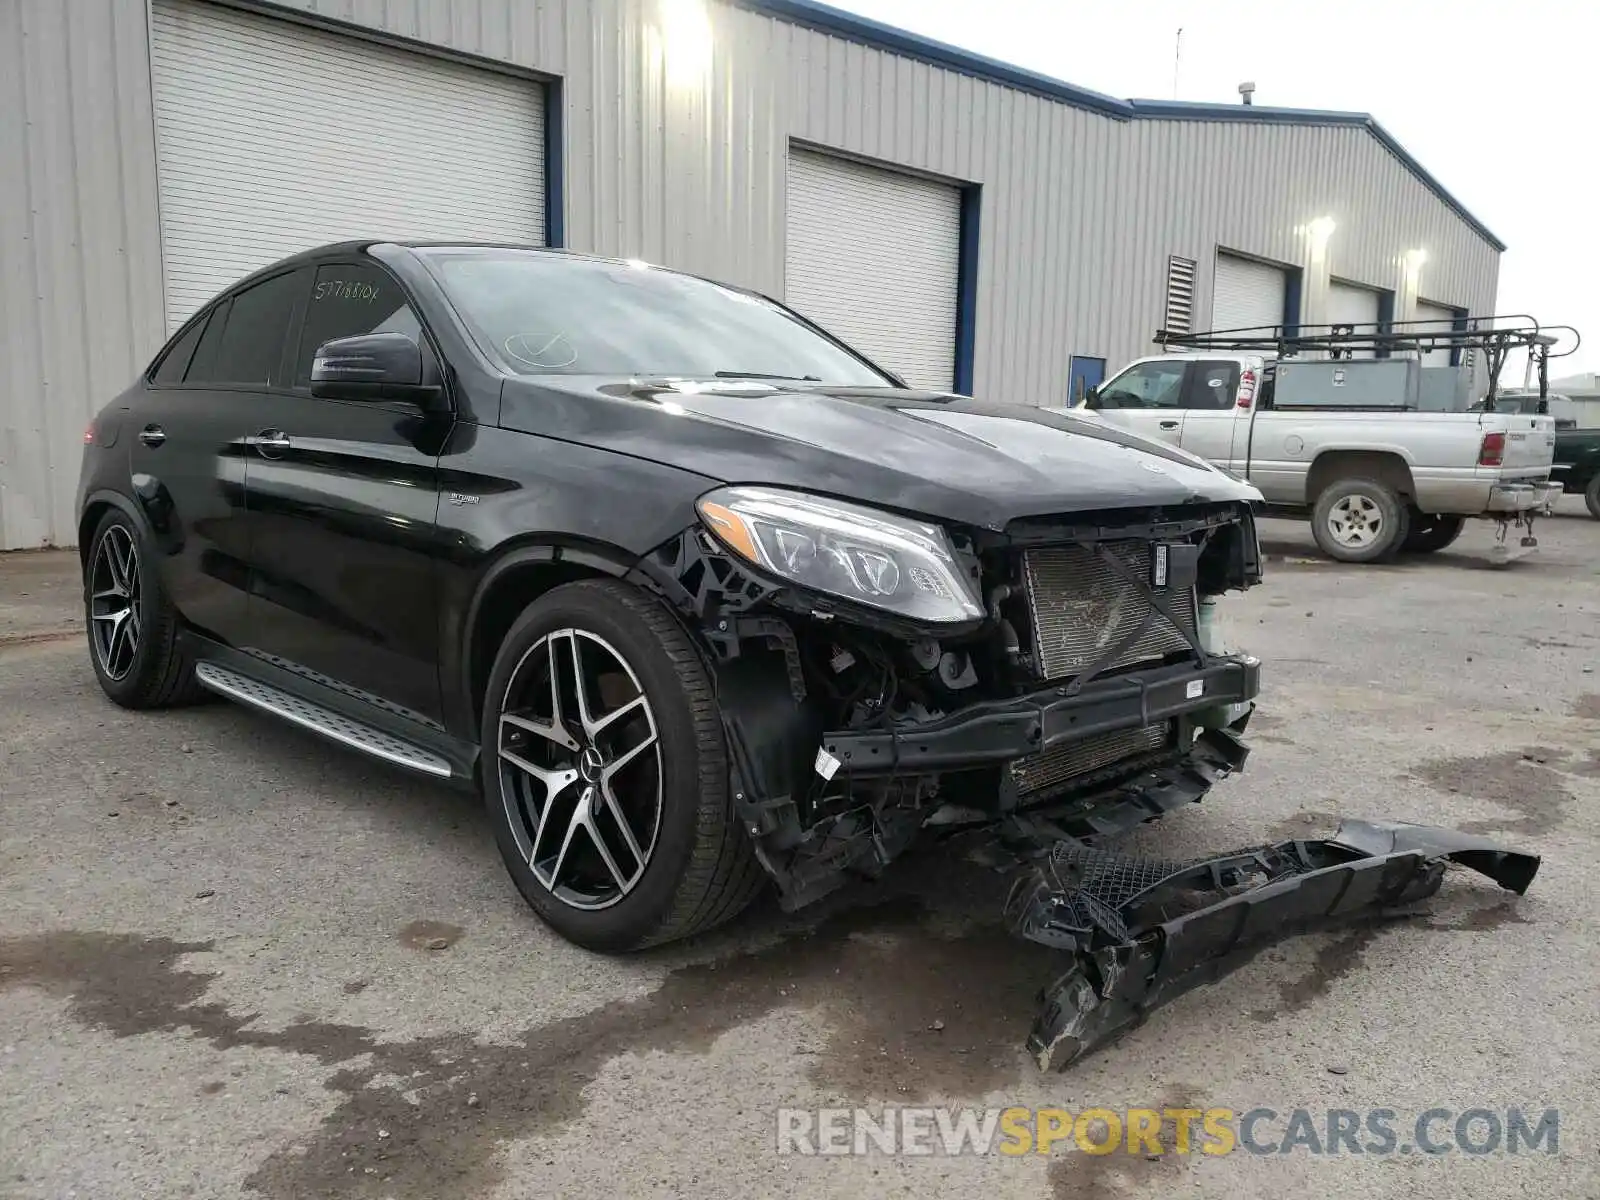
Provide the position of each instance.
(250, 345)
(172, 365)
(1213, 385)
(347, 301)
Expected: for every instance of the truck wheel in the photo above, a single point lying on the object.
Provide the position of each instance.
(133, 627)
(1431, 533)
(1591, 497)
(1359, 520)
(605, 772)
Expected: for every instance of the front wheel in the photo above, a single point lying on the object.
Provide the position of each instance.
(1432, 533)
(1591, 497)
(605, 772)
(1359, 520)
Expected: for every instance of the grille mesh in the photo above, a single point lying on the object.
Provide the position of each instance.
(1082, 607)
(1061, 763)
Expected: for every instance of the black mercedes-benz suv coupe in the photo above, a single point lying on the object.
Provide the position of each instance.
(696, 595)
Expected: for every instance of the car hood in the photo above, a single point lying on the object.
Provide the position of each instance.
(976, 462)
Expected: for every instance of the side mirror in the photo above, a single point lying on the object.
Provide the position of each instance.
(1091, 398)
(371, 366)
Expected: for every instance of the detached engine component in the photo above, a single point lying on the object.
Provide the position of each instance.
(1142, 932)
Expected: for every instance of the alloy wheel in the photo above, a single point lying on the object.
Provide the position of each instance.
(1356, 521)
(114, 602)
(580, 768)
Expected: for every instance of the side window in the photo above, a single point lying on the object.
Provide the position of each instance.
(1213, 385)
(347, 301)
(205, 354)
(175, 361)
(250, 344)
(1148, 385)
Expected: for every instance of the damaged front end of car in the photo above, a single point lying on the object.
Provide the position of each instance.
(1068, 668)
(1073, 686)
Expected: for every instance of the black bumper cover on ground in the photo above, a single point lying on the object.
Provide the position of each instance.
(1143, 932)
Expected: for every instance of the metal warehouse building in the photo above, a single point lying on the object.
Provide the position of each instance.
(972, 225)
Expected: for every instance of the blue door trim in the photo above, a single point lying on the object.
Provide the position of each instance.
(555, 199)
(967, 286)
(1293, 282)
(1385, 319)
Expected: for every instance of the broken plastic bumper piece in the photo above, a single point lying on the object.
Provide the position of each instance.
(1142, 932)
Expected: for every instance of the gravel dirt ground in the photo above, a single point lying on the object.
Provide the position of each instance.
(235, 960)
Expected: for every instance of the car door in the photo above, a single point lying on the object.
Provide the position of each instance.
(187, 455)
(1146, 398)
(342, 498)
(1212, 420)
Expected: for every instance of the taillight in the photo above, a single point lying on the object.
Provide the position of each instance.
(1247, 388)
(1493, 452)
(88, 434)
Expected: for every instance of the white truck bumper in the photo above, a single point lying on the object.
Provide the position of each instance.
(1520, 497)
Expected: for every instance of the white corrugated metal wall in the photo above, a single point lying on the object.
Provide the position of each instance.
(690, 177)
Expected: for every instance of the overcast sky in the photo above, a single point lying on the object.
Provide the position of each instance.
(1501, 102)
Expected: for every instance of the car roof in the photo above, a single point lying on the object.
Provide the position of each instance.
(364, 245)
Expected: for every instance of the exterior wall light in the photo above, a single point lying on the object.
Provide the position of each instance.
(685, 41)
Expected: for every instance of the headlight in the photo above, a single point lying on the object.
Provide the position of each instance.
(856, 553)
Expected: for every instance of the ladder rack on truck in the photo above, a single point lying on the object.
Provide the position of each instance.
(1496, 336)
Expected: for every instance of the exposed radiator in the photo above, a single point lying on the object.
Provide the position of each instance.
(1061, 763)
(1081, 607)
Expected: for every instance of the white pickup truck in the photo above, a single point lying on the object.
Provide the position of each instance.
(1373, 483)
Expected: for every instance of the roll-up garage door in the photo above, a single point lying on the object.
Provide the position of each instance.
(1246, 294)
(273, 137)
(1352, 305)
(1437, 316)
(873, 257)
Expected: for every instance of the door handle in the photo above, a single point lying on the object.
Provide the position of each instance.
(152, 435)
(270, 442)
(1170, 424)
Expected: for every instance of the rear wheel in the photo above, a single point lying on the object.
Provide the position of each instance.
(1591, 497)
(1359, 520)
(133, 628)
(606, 774)
(1431, 533)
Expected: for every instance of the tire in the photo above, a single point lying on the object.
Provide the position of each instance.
(139, 659)
(1591, 497)
(1367, 506)
(696, 867)
(1430, 534)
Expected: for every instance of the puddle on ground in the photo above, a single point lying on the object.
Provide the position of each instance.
(1336, 958)
(1080, 1176)
(1513, 779)
(912, 1014)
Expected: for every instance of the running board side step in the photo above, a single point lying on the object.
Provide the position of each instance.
(307, 714)
(1142, 932)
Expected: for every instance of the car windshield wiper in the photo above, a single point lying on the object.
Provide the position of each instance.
(766, 375)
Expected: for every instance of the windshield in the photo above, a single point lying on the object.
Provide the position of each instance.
(548, 314)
